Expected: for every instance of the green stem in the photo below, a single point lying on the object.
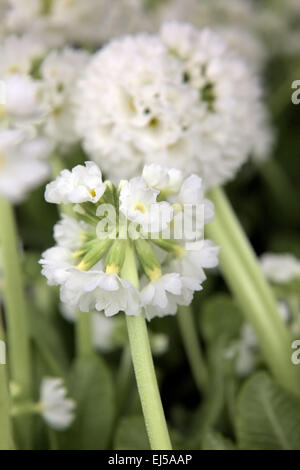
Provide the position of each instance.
(15, 311)
(245, 279)
(192, 347)
(144, 368)
(84, 344)
(6, 440)
(53, 440)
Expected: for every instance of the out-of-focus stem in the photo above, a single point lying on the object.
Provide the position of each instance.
(16, 314)
(245, 279)
(192, 347)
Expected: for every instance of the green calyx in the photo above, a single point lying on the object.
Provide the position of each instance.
(91, 253)
(170, 246)
(148, 259)
(115, 257)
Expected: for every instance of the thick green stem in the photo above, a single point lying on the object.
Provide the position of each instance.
(192, 347)
(6, 440)
(15, 311)
(84, 343)
(245, 279)
(144, 369)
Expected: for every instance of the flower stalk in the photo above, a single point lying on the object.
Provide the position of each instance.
(15, 310)
(84, 345)
(143, 366)
(192, 347)
(245, 279)
(6, 440)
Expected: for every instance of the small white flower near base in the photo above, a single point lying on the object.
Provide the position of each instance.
(280, 268)
(56, 409)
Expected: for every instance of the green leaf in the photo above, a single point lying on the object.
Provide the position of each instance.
(91, 387)
(215, 441)
(131, 434)
(268, 417)
(220, 317)
(49, 342)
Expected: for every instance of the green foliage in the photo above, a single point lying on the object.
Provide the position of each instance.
(220, 316)
(268, 418)
(131, 434)
(91, 386)
(215, 441)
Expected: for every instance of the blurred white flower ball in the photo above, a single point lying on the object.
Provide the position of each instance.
(186, 101)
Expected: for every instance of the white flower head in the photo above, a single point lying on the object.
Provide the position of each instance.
(162, 297)
(96, 290)
(90, 268)
(280, 268)
(56, 263)
(229, 93)
(68, 232)
(196, 257)
(59, 72)
(22, 99)
(128, 114)
(57, 409)
(138, 203)
(168, 181)
(83, 183)
(23, 164)
(18, 54)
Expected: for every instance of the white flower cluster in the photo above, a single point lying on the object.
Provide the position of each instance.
(280, 268)
(75, 21)
(256, 30)
(185, 100)
(56, 409)
(231, 18)
(36, 110)
(88, 268)
(23, 154)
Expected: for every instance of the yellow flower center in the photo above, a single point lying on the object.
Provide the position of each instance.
(93, 193)
(140, 207)
(13, 69)
(112, 269)
(154, 274)
(2, 111)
